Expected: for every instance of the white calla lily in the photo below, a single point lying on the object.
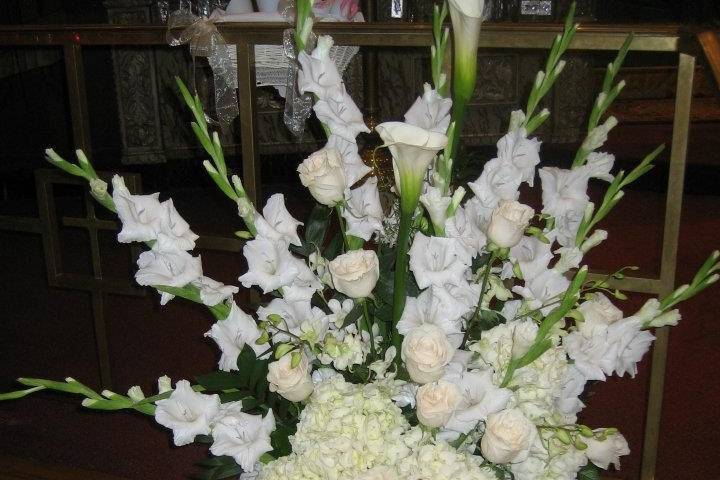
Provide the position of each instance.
(413, 149)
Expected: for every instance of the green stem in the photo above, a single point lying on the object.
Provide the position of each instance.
(368, 326)
(338, 209)
(401, 264)
(473, 319)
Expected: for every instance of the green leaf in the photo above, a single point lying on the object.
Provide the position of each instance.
(19, 393)
(353, 315)
(334, 247)
(217, 381)
(589, 472)
(316, 227)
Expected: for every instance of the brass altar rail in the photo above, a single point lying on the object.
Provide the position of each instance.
(656, 38)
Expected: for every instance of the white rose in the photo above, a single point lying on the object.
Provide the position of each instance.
(508, 222)
(293, 384)
(603, 453)
(426, 351)
(436, 402)
(322, 173)
(508, 437)
(599, 311)
(355, 273)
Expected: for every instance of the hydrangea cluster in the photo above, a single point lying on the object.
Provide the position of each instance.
(350, 431)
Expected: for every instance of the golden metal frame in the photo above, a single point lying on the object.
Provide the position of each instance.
(659, 38)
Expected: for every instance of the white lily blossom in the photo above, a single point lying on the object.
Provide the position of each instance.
(364, 213)
(341, 115)
(573, 385)
(522, 152)
(213, 292)
(296, 316)
(438, 261)
(187, 413)
(479, 397)
(434, 306)
(430, 111)
(630, 344)
(305, 283)
(499, 180)
(354, 167)
(139, 214)
(605, 452)
(144, 218)
(242, 436)
(168, 268)
(318, 73)
(436, 205)
(532, 256)
(543, 291)
(276, 223)
(232, 334)
(599, 350)
(270, 265)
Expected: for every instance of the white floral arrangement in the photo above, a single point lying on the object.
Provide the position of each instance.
(456, 347)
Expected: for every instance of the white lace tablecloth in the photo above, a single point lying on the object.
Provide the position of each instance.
(270, 61)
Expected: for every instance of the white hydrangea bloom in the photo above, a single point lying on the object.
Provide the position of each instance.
(438, 261)
(276, 223)
(440, 461)
(364, 213)
(187, 413)
(232, 334)
(347, 348)
(344, 430)
(270, 265)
